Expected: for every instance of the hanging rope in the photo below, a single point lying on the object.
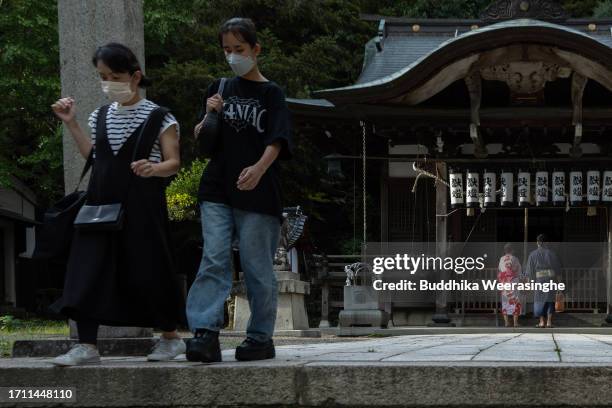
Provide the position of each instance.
(363, 132)
(421, 172)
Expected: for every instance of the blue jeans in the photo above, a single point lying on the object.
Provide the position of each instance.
(258, 236)
(543, 308)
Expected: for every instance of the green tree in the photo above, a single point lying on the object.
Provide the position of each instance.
(30, 142)
(603, 9)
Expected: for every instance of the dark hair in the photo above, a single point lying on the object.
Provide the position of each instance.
(541, 238)
(119, 58)
(242, 28)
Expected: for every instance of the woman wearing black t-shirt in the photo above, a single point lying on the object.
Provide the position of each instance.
(240, 191)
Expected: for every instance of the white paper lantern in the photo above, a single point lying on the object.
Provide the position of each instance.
(593, 187)
(576, 187)
(606, 191)
(507, 189)
(558, 188)
(471, 189)
(456, 189)
(489, 188)
(523, 189)
(541, 188)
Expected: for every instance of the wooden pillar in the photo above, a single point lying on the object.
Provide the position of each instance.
(384, 201)
(609, 272)
(440, 317)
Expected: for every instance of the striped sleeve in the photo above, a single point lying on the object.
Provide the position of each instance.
(92, 122)
(168, 121)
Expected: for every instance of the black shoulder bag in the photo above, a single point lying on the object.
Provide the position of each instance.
(54, 234)
(209, 137)
(109, 217)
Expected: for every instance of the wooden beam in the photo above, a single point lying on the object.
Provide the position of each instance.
(578, 84)
(440, 316)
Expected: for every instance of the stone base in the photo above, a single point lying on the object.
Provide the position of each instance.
(372, 318)
(107, 347)
(112, 332)
(290, 311)
(441, 320)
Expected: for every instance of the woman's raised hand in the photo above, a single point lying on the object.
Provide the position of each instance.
(65, 109)
(215, 102)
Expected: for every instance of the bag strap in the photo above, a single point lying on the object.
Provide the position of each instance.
(90, 159)
(88, 164)
(222, 86)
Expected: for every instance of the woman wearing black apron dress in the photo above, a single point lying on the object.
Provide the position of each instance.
(123, 278)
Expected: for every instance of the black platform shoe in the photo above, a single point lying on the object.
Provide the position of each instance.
(204, 347)
(251, 349)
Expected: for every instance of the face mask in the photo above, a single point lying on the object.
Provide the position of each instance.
(117, 91)
(239, 63)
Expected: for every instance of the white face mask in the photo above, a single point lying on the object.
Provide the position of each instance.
(117, 91)
(240, 64)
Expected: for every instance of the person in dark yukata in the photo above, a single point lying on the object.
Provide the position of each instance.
(543, 266)
(240, 196)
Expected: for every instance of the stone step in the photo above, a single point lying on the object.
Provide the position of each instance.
(134, 383)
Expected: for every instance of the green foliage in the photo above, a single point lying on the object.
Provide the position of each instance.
(182, 193)
(433, 8)
(10, 324)
(603, 9)
(580, 8)
(306, 45)
(29, 62)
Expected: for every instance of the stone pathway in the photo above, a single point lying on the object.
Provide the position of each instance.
(512, 347)
(497, 347)
(418, 371)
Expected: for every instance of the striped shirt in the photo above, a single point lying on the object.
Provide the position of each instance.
(122, 121)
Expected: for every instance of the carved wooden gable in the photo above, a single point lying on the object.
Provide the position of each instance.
(535, 9)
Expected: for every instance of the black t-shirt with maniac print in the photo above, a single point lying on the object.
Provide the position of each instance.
(255, 115)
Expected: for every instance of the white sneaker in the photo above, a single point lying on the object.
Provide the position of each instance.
(167, 349)
(79, 354)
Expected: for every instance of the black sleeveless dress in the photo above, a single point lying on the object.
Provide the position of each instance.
(126, 277)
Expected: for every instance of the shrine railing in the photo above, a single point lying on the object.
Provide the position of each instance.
(585, 289)
(585, 292)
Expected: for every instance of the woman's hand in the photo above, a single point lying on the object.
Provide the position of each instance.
(144, 168)
(215, 102)
(250, 176)
(65, 109)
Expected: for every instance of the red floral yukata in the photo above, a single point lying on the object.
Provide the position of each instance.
(509, 272)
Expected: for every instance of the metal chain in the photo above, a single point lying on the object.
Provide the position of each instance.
(363, 131)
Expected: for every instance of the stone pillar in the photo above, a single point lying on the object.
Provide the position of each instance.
(84, 26)
(440, 317)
